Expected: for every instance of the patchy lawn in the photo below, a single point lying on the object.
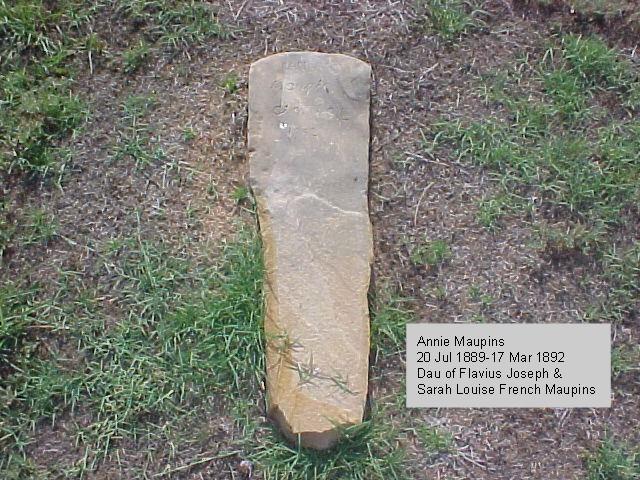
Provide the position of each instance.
(504, 188)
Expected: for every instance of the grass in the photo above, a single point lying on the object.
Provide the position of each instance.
(621, 270)
(25, 25)
(545, 147)
(139, 353)
(366, 451)
(437, 292)
(624, 359)
(577, 238)
(613, 461)
(135, 57)
(241, 194)
(16, 315)
(434, 440)
(140, 348)
(450, 19)
(594, 5)
(135, 140)
(590, 180)
(173, 23)
(186, 331)
(230, 84)
(476, 294)
(33, 227)
(491, 210)
(39, 227)
(591, 7)
(557, 152)
(43, 45)
(7, 229)
(38, 108)
(212, 190)
(36, 115)
(431, 253)
(390, 314)
(29, 387)
(188, 134)
(594, 64)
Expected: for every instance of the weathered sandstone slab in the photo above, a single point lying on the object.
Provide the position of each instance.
(308, 138)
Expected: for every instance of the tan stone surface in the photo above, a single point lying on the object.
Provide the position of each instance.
(308, 140)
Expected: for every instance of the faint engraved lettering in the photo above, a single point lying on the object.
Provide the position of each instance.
(280, 109)
(328, 114)
(299, 64)
(307, 88)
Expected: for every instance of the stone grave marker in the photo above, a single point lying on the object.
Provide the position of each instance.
(308, 139)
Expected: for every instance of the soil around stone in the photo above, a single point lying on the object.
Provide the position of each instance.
(417, 78)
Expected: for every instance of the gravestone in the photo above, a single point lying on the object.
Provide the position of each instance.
(308, 139)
